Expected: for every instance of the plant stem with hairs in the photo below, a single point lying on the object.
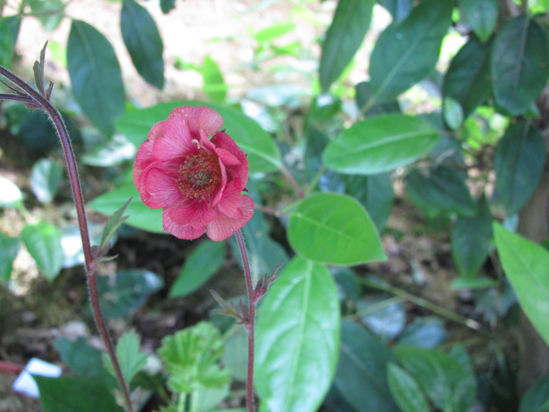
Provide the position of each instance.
(23, 92)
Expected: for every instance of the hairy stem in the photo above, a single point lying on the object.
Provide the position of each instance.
(251, 322)
(35, 99)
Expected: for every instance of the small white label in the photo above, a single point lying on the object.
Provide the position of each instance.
(25, 383)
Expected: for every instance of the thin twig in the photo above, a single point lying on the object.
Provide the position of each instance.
(72, 169)
(292, 182)
(250, 326)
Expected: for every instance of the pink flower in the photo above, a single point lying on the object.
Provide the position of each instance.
(197, 181)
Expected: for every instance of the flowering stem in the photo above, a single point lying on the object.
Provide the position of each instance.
(34, 99)
(250, 326)
(292, 182)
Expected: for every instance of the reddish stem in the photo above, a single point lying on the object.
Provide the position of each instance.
(299, 191)
(36, 99)
(250, 326)
(10, 367)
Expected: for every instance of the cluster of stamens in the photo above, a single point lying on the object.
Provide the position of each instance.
(199, 175)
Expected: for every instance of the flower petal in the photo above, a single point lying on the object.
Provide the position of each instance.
(222, 140)
(180, 231)
(224, 226)
(143, 159)
(231, 200)
(198, 118)
(192, 212)
(174, 141)
(227, 157)
(160, 189)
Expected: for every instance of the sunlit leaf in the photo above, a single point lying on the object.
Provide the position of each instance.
(43, 241)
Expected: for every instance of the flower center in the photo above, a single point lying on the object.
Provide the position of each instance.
(199, 175)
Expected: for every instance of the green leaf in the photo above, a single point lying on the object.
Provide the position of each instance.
(143, 42)
(361, 375)
(426, 332)
(203, 262)
(82, 359)
(375, 192)
(9, 247)
(453, 113)
(467, 282)
(43, 241)
(407, 52)
(6, 44)
(382, 315)
(95, 76)
(443, 190)
(467, 80)
(235, 355)
(405, 390)
(124, 293)
(335, 229)
(49, 13)
(448, 383)
(535, 399)
(263, 155)
(130, 359)
(75, 395)
(10, 194)
(190, 356)
(167, 5)
(472, 241)
(399, 9)
(481, 16)
(270, 33)
(519, 161)
(343, 38)
(14, 23)
(363, 94)
(112, 225)
(297, 338)
(212, 77)
(526, 264)
(139, 214)
(517, 83)
(110, 153)
(380, 144)
(45, 180)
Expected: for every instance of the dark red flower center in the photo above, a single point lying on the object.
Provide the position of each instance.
(199, 176)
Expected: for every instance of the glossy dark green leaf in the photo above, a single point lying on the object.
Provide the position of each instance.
(363, 94)
(297, 338)
(467, 282)
(43, 242)
(335, 229)
(14, 23)
(536, 396)
(6, 44)
(126, 291)
(426, 332)
(442, 190)
(83, 359)
(472, 241)
(139, 215)
(481, 16)
(95, 76)
(361, 375)
(167, 5)
(447, 383)
(468, 78)
(203, 262)
(214, 84)
(406, 390)
(75, 394)
(9, 247)
(130, 358)
(517, 83)
(380, 144)
(453, 113)
(519, 161)
(399, 9)
(263, 155)
(382, 315)
(343, 38)
(375, 192)
(405, 53)
(526, 265)
(45, 180)
(143, 42)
